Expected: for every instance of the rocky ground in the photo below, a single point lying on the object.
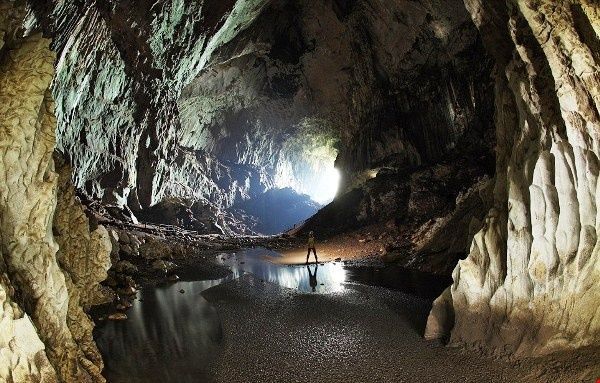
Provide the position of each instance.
(364, 334)
(378, 244)
(145, 254)
(368, 245)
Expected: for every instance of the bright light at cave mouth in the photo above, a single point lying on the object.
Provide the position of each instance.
(327, 186)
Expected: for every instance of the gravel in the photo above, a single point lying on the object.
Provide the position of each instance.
(363, 334)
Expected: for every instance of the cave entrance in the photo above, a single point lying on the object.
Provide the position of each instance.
(304, 179)
(307, 164)
(328, 185)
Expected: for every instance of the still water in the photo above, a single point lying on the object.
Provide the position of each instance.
(320, 278)
(168, 336)
(171, 336)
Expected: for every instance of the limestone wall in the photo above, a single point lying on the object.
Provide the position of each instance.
(40, 296)
(119, 73)
(217, 101)
(531, 282)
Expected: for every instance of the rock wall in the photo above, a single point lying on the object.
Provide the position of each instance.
(213, 102)
(45, 335)
(84, 257)
(119, 73)
(530, 283)
(398, 85)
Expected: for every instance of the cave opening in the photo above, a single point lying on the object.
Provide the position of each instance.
(303, 181)
(267, 127)
(308, 164)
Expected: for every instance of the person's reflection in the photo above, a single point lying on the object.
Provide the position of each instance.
(312, 278)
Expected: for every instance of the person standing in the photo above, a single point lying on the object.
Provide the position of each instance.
(311, 246)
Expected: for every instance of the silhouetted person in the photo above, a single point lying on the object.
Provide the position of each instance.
(312, 278)
(311, 246)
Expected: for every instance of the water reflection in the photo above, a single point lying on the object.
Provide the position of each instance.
(397, 278)
(172, 337)
(331, 276)
(312, 278)
(169, 336)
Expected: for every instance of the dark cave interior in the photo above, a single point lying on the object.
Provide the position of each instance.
(180, 152)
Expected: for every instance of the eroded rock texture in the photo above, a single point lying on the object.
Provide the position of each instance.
(119, 74)
(385, 86)
(84, 257)
(530, 283)
(382, 86)
(216, 102)
(40, 339)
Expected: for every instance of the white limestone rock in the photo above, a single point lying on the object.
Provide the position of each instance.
(46, 336)
(531, 283)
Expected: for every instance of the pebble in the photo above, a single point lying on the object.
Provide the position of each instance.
(117, 316)
(128, 290)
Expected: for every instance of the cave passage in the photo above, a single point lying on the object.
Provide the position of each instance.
(304, 180)
(235, 191)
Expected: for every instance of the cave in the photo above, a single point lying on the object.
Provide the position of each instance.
(167, 164)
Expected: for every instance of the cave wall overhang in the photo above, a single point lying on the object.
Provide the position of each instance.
(379, 100)
(135, 135)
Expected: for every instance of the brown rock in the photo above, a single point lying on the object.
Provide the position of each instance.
(117, 316)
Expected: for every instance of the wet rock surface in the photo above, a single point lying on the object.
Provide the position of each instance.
(83, 254)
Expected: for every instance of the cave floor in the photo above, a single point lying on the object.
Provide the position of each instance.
(364, 245)
(363, 334)
(247, 327)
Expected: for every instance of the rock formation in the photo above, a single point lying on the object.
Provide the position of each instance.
(194, 112)
(84, 256)
(212, 103)
(530, 282)
(45, 335)
(122, 68)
